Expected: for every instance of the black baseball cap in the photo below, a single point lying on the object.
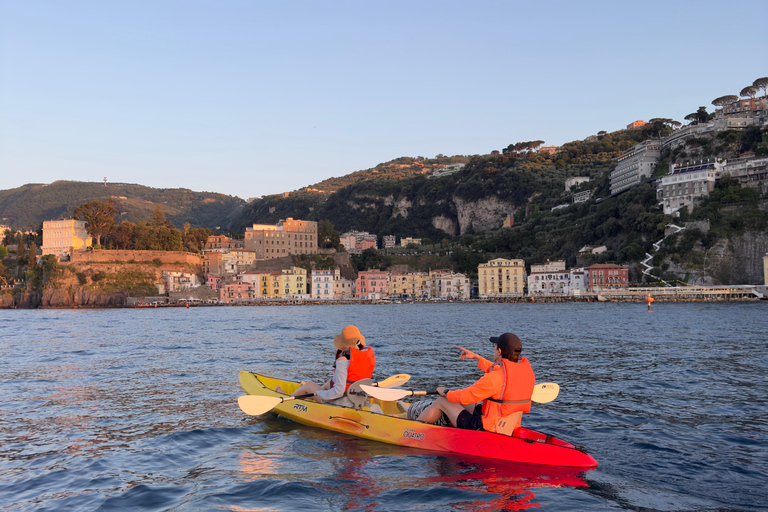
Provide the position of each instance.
(505, 340)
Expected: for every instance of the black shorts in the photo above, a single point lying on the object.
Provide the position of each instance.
(473, 421)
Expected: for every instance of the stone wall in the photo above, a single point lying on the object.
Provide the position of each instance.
(104, 256)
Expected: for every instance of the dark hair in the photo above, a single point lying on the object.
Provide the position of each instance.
(509, 344)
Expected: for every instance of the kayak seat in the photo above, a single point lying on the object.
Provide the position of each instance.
(508, 424)
(356, 395)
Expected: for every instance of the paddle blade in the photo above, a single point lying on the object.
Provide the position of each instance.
(545, 392)
(394, 381)
(387, 395)
(254, 405)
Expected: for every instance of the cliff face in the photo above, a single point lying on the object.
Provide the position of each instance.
(741, 259)
(93, 284)
(482, 215)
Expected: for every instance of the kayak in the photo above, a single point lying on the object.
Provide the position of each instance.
(386, 423)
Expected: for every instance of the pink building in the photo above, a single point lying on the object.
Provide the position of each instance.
(236, 291)
(213, 282)
(372, 284)
(364, 244)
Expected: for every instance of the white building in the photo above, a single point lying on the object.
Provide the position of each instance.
(451, 286)
(323, 283)
(389, 241)
(635, 166)
(179, 281)
(681, 187)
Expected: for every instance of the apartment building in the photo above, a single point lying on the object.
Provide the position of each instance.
(63, 237)
(388, 241)
(221, 243)
(323, 283)
(635, 166)
(372, 284)
(236, 291)
(450, 286)
(685, 184)
(343, 288)
(408, 285)
(501, 277)
(294, 282)
(607, 276)
(287, 237)
(179, 281)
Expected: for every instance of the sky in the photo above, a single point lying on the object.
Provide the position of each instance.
(249, 98)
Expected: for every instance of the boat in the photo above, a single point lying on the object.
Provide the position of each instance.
(385, 422)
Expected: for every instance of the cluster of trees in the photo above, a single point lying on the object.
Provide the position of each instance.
(749, 91)
(157, 235)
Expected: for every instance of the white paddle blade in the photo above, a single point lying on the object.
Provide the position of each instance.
(394, 381)
(254, 405)
(545, 392)
(387, 395)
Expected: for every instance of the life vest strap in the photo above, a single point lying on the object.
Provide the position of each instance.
(509, 401)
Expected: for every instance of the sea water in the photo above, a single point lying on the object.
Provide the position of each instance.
(136, 409)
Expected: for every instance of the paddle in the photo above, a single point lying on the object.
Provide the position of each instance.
(254, 405)
(542, 393)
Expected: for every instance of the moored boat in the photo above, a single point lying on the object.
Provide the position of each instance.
(387, 424)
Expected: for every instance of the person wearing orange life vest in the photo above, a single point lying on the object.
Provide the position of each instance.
(505, 388)
(354, 361)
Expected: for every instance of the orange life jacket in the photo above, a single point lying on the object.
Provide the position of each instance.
(361, 364)
(516, 395)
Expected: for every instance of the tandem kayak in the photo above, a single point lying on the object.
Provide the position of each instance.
(387, 424)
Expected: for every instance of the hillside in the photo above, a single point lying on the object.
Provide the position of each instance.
(31, 204)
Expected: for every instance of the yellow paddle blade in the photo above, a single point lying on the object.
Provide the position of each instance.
(254, 405)
(545, 392)
(395, 380)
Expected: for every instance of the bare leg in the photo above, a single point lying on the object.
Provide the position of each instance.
(432, 413)
(307, 387)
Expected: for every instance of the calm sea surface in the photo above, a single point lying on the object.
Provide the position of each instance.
(135, 409)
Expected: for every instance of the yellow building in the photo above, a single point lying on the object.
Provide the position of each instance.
(501, 277)
(765, 269)
(62, 237)
(405, 284)
(283, 239)
(243, 257)
(293, 282)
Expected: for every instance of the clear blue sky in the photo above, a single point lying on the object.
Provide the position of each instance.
(250, 98)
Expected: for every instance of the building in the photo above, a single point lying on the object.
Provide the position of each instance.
(582, 197)
(372, 284)
(509, 221)
(213, 282)
(607, 276)
(323, 283)
(221, 243)
(550, 278)
(343, 288)
(404, 242)
(747, 169)
(364, 244)
(572, 182)
(265, 283)
(636, 124)
(294, 282)
(451, 286)
(501, 277)
(635, 166)
(236, 291)
(287, 237)
(179, 281)
(213, 263)
(681, 187)
(407, 285)
(63, 237)
(765, 269)
(552, 150)
(388, 241)
(579, 278)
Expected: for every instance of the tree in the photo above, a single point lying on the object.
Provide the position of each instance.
(327, 236)
(762, 83)
(722, 101)
(99, 217)
(32, 255)
(750, 91)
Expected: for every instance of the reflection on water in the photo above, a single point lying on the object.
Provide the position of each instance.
(362, 473)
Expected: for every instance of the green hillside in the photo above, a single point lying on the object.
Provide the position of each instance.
(31, 204)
